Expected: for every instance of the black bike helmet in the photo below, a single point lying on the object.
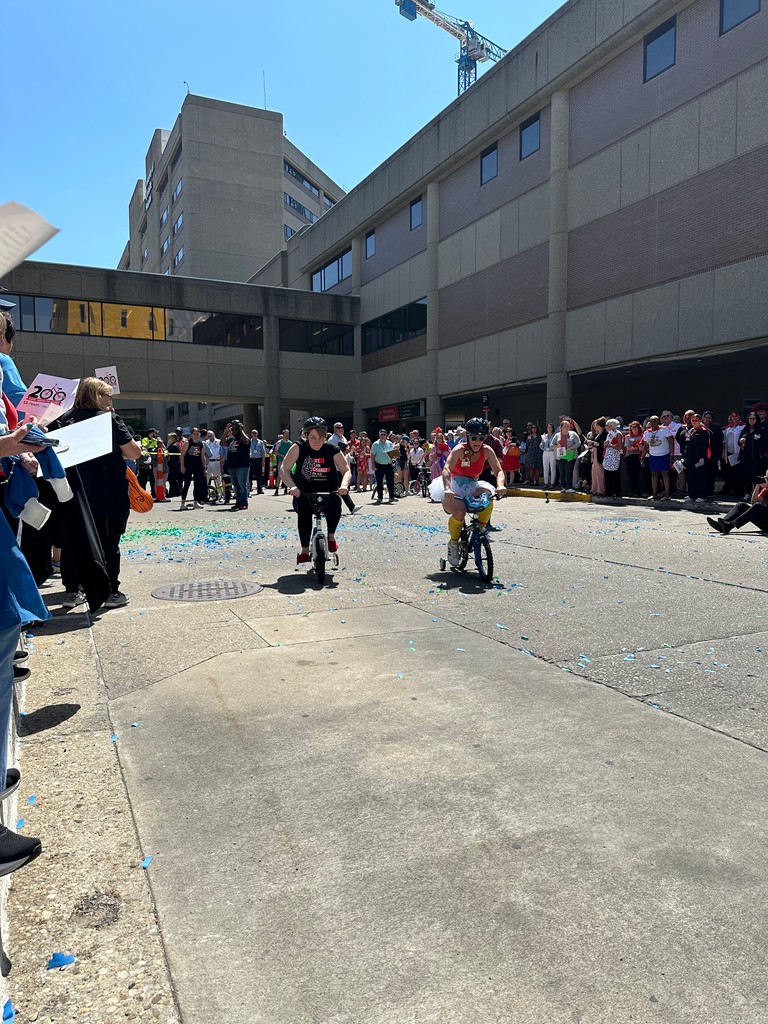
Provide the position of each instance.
(315, 423)
(476, 425)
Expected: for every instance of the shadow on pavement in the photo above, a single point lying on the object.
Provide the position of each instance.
(301, 583)
(46, 718)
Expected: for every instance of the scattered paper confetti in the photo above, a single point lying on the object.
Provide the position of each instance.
(31, 799)
(146, 862)
(8, 1011)
(21, 823)
(60, 960)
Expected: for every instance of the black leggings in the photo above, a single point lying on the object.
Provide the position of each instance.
(194, 472)
(612, 482)
(303, 510)
(635, 473)
(743, 513)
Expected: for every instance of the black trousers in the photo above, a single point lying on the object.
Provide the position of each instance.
(385, 473)
(697, 481)
(744, 513)
(146, 474)
(110, 529)
(612, 482)
(194, 474)
(303, 510)
(257, 475)
(635, 474)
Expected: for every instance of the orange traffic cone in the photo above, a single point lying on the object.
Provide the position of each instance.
(160, 494)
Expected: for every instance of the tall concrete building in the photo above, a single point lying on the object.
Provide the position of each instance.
(585, 229)
(223, 190)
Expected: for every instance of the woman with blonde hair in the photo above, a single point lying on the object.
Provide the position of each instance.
(106, 488)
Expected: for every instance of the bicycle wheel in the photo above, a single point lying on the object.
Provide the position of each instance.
(321, 556)
(414, 487)
(213, 493)
(463, 550)
(424, 487)
(484, 559)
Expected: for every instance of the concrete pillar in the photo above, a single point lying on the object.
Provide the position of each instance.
(434, 403)
(558, 382)
(251, 417)
(271, 425)
(359, 419)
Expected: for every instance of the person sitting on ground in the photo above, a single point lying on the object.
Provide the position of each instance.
(744, 512)
(320, 468)
(461, 477)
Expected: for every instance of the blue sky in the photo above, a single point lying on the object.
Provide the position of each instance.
(87, 82)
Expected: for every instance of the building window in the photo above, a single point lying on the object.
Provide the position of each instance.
(733, 12)
(144, 255)
(530, 136)
(123, 317)
(660, 48)
(176, 157)
(417, 210)
(297, 206)
(166, 243)
(183, 408)
(316, 338)
(164, 215)
(177, 190)
(288, 231)
(163, 185)
(489, 164)
(178, 257)
(142, 231)
(178, 224)
(338, 269)
(301, 179)
(170, 413)
(370, 244)
(167, 271)
(401, 324)
(329, 202)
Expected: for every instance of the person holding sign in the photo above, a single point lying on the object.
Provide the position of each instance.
(106, 488)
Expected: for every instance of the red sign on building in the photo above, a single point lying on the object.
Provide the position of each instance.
(387, 413)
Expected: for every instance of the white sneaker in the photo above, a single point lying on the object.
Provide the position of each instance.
(355, 508)
(700, 501)
(73, 598)
(453, 553)
(687, 500)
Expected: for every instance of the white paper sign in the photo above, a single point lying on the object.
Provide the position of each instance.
(48, 397)
(87, 439)
(109, 375)
(22, 231)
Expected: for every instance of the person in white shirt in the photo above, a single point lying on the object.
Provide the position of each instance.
(659, 445)
(213, 460)
(337, 437)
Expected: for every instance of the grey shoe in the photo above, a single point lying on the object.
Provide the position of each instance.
(355, 508)
(117, 600)
(73, 598)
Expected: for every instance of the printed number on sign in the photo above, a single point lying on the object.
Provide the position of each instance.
(109, 378)
(47, 394)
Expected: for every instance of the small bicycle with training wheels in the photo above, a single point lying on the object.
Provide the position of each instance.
(318, 541)
(474, 539)
(420, 485)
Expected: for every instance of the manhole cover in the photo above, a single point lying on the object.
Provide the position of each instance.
(215, 590)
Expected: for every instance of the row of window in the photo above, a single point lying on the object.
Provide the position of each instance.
(290, 169)
(316, 338)
(660, 45)
(155, 323)
(401, 324)
(337, 269)
(166, 212)
(151, 323)
(288, 231)
(299, 208)
(530, 142)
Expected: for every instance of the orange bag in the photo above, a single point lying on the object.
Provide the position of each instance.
(141, 500)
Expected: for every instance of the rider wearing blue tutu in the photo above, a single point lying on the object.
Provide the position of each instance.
(461, 476)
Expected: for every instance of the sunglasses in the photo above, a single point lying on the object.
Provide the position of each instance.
(475, 437)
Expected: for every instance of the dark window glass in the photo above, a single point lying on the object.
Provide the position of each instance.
(164, 215)
(183, 408)
(733, 12)
(401, 324)
(416, 213)
(530, 136)
(346, 265)
(331, 275)
(317, 281)
(489, 164)
(288, 231)
(301, 179)
(370, 244)
(176, 158)
(660, 49)
(26, 313)
(329, 202)
(316, 338)
(339, 268)
(44, 315)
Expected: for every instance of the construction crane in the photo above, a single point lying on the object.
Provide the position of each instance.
(474, 48)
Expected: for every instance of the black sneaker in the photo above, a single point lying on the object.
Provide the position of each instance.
(12, 780)
(20, 673)
(16, 850)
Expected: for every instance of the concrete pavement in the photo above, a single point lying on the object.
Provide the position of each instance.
(407, 797)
